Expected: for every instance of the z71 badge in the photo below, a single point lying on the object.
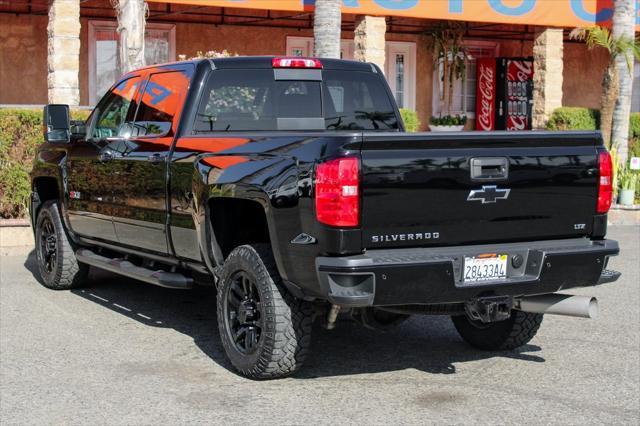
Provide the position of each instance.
(74, 195)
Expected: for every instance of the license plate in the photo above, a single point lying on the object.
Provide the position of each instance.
(485, 268)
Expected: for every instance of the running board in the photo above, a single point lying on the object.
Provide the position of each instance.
(124, 267)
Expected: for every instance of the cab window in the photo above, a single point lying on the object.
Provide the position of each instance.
(115, 109)
(242, 100)
(252, 100)
(161, 102)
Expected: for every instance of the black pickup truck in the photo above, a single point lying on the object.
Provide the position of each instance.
(289, 185)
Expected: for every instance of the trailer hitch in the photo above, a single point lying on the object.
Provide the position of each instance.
(489, 309)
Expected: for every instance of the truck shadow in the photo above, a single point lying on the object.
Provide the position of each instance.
(429, 344)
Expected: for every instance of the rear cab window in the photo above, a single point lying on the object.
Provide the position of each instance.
(253, 100)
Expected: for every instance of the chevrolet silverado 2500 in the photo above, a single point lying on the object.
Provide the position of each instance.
(290, 186)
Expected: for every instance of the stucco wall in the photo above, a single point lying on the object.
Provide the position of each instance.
(582, 79)
(84, 61)
(241, 40)
(23, 58)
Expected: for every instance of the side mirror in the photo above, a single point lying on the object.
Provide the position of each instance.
(78, 129)
(56, 124)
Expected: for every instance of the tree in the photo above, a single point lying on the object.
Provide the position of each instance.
(624, 20)
(327, 22)
(619, 47)
(131, 27)
(450, 59)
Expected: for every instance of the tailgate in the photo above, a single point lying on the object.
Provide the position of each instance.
(477, 187)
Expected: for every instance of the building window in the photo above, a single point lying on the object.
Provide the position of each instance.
(400, 64)
(399, 93)
(635, 90)
(160, 41)
(464, 90)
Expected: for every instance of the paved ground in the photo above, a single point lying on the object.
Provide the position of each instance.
(121, 352)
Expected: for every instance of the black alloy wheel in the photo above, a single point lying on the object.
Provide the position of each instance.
(48, 246)
(243, 313)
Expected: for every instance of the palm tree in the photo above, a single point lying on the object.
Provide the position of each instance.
(618, 47)
(624, 20)
(327, 21)
(131, 26)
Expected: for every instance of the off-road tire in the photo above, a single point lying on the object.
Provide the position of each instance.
(509, 334)
(66, 273)
(285, 321)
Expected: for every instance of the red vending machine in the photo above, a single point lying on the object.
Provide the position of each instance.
(486, 94)
(504, 93)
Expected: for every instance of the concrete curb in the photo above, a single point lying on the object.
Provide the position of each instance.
(16, 237)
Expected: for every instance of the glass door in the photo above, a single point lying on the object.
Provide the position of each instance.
(401, 72)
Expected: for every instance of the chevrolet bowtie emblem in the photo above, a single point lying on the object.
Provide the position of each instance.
(488, 194)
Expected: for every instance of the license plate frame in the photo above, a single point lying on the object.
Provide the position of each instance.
(488, 268)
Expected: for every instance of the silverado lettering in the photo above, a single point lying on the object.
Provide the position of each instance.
(405, 237)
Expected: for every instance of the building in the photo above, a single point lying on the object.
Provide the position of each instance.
(568, 73)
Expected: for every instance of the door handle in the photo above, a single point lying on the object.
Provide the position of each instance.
(489, 168)
(156, 158)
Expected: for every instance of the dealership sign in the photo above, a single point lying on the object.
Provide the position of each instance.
(558, 13)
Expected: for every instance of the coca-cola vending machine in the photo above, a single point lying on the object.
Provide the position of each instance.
(504, 93)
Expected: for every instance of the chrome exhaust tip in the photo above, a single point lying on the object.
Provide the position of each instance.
(559, 304)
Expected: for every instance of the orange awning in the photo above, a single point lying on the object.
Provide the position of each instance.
(554, 13)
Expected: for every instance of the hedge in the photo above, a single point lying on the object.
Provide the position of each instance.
(574, 118)
(410, 119)
(20, 134)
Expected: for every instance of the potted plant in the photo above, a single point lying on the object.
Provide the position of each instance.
(627, 179)
(450, 62)
(448, 123)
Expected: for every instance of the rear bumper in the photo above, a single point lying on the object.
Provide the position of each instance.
(434, 275)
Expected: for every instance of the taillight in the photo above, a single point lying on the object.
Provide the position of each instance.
(605, 186)
(296, 63)
(337, 192)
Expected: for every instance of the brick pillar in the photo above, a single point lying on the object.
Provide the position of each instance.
(547, 75)
(64, 52)
(369, 40)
